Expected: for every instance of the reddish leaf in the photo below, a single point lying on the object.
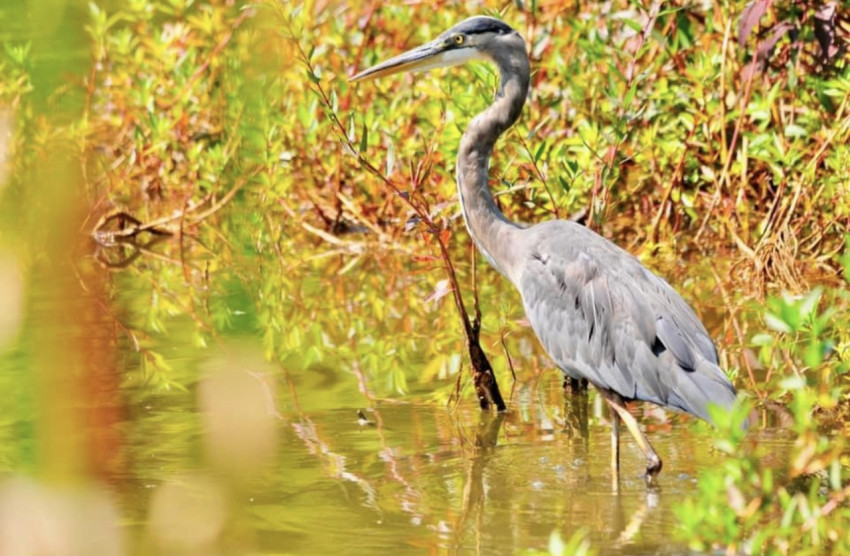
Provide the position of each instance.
(765, 49)
(750, 17)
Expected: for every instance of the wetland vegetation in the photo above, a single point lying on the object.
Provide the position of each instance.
(233, 285)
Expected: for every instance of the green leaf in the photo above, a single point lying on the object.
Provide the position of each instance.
(364, 138)
(793, 130)
(762, 339)
(776, 323)
(633, 25)
(793, 382)
(556, 544)
(813, 356)
(630, 94)
(539, 152)
(352, 130)
(810, 302)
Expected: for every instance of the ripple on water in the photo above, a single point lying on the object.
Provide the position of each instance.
(423, 479)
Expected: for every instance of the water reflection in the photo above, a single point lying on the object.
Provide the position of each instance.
(474, 493)
(477, 524)
(119, 239)
(423, 477)
(576, 402)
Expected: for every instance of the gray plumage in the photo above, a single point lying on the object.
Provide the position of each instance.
(599, 313)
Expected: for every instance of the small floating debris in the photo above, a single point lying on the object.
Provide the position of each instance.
(362, 420)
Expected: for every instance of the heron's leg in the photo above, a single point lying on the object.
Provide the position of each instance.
(653, 462)
(615, 450)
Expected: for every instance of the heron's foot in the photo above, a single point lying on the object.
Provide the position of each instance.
(653, 468)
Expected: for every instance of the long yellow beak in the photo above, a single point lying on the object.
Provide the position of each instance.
(435, 54)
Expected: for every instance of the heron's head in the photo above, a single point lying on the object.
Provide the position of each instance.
(477, 38)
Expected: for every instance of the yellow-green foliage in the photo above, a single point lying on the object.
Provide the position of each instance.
(233, 127)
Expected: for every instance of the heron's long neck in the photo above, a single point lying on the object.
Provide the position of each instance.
(491, 231)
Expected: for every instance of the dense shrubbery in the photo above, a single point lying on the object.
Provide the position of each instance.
(722, 163)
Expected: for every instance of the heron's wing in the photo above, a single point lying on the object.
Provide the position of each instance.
(579, 316)
(676, 326)
(603, 316)
(684, 352)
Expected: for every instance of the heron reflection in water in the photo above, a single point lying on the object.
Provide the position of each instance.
(599, 313)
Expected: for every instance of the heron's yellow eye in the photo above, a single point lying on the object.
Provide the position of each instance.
(458, 39)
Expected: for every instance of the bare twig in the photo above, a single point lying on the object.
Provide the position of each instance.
(510, 365)
(540, 175)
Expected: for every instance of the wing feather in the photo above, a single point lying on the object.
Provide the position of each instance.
(601, 315)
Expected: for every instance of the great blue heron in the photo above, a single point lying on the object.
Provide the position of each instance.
(599, 313)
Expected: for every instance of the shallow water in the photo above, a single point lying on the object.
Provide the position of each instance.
(412, 487)
(402, 478)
